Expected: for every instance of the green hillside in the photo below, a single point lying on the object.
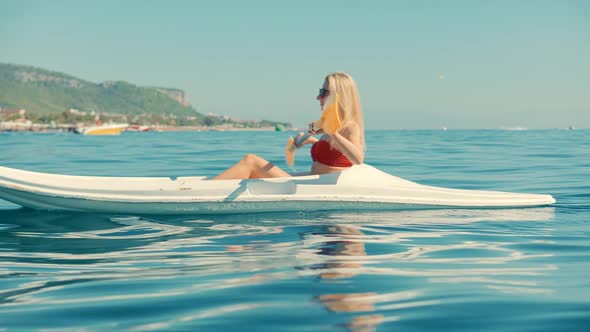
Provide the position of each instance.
(49, 96)
(41, 91)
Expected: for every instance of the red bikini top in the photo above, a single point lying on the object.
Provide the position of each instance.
(322, 152)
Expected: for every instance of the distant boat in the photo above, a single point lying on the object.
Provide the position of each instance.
(517, 128)
(102, 129)
(138, 128)
(108, 129)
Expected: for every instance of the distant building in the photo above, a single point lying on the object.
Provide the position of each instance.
(7, 113)
(16, 125)
(77, 112)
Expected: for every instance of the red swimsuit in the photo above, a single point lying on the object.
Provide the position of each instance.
(322, 152)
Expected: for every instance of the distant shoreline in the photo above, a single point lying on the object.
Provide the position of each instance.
(213, 128)
(46, 128)
(36, 127)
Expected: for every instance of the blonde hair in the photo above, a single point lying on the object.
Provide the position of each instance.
(350, 101)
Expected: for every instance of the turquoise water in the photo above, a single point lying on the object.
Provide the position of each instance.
(457, 270)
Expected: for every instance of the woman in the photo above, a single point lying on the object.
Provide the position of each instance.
(331, 153)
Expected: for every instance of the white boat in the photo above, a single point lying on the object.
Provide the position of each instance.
(138, 128)
(362, 187)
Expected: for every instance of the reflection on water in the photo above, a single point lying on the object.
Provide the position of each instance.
(341, 253)
(405, 264)
(344, 248)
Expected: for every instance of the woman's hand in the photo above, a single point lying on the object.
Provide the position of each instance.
(313, 129)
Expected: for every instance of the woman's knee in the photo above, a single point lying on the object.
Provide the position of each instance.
(251, 159)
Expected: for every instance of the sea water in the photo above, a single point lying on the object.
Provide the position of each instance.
(456, 270)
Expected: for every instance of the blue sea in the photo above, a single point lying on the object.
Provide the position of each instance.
(451, 270)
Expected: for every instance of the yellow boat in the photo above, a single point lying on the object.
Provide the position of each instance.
(108, 129)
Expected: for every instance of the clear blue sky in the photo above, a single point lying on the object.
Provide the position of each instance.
(418, 64)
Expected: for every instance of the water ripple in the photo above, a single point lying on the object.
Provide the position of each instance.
(355, 271)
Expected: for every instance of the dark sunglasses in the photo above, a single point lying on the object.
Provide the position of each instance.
(323, 92)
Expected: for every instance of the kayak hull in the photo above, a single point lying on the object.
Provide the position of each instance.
(53, 203)
(362, 187)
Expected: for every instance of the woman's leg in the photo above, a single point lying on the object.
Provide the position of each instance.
(252, 167)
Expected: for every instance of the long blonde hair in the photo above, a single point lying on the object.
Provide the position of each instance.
(350, 101)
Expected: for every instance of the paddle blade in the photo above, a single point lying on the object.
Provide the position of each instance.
(290, 152)
(330, 121)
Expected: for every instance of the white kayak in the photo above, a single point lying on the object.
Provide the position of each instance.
(362, 187)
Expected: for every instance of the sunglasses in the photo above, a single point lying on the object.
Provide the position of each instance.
(323, 92)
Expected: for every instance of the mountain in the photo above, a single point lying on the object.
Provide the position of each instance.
(42, 91)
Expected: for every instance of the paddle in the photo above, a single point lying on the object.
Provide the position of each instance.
(329, 123)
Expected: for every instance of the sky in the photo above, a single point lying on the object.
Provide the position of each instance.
(418, 64)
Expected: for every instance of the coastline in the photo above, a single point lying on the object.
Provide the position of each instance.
(213, 128)
(49, 128)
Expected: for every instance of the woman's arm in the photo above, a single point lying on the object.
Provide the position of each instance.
(348, 141)
(309, 140)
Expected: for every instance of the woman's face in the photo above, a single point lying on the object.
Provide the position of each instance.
(323, 95)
